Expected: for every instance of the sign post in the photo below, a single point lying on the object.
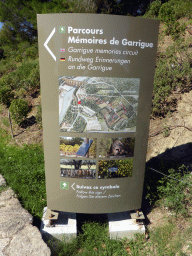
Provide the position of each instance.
(97, 76)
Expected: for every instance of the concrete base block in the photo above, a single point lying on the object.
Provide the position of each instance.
(121, 225)
(66, 225)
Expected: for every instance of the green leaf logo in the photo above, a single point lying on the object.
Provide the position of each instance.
(64, 185)
(61, 29)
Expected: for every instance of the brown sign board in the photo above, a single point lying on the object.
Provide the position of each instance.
(97, 75)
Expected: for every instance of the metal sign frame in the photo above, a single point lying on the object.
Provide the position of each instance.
(99, 68)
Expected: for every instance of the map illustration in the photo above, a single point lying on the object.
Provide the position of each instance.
(98, 104)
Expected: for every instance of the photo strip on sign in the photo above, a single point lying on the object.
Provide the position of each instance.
(97, 75)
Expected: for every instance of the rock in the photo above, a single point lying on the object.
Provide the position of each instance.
(2, 181)
(7, 194)
(17, 235)
(27, 242)
(3, 243)
(12, 216)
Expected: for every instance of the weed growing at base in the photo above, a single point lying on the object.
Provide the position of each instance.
(95, 241)
(173, 190)
(174, 194)
(23, 170)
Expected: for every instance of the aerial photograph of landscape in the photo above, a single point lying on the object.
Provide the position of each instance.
(98, 104)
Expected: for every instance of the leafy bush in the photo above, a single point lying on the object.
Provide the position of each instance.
(25, 76)
(153, 11)
(1, 53)
(170, 12)
(174, 10)
(6, 67)
(181, 8)
(173, 72)
(19, 110)
(32, 52)
(168, 190)
(175, 194)
(25, 69)
(6, 95)
(23, 46)
(19, 58)
(39, 115)
(175, 29)
(35, 78)
(167, 13)
(11, 52)
(28, 74)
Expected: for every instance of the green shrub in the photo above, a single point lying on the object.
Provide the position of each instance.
(172, 190)
(32, 52)
(173, 72)
(6, 95)
(174, 193)
(26, 68)
(23, 46)
(153, 11)
(1, 53)
(19, 58)
(181, 8)
(9, 80)
(175, 29)
(10, 52)
(167, 13)
(25, 76)
(21, 93)
(7, 51)
(6, 67)
(39, 115)
(35, 78)
(174, 10)
(170, 12)
(19, 110)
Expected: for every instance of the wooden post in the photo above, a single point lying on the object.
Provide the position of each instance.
(10, 124)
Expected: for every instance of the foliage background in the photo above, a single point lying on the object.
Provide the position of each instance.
(23, 167)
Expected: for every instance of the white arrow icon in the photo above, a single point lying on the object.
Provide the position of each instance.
(72, 186)
(47, 41)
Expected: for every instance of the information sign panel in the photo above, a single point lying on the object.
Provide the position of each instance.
(97, 76)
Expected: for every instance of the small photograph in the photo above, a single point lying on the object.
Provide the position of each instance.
(115, 168)
(83, 169)
(77, 147)
(116, 147)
